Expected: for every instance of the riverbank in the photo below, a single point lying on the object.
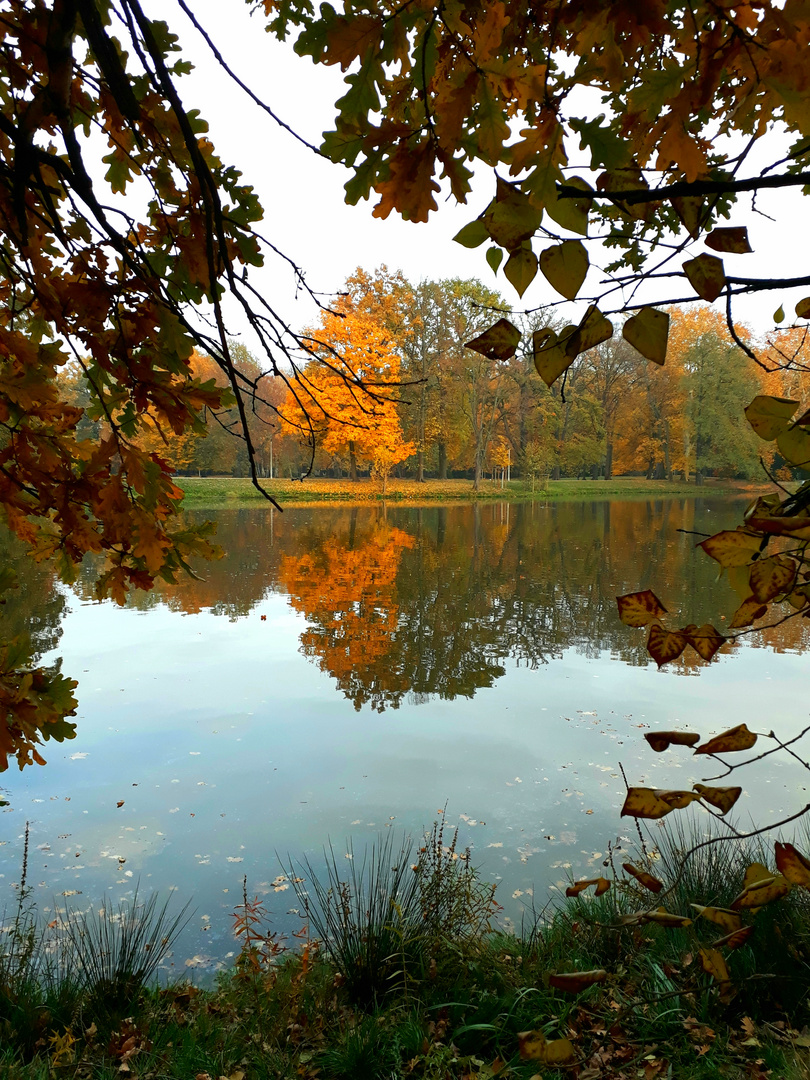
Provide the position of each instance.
(215, 490)
(401, 971)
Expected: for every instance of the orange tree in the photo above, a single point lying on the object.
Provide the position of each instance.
(687, 92)
(325, 407)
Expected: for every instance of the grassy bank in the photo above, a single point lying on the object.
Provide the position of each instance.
(240, 491)
(406, 975)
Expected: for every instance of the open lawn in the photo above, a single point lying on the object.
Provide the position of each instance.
(239, 490)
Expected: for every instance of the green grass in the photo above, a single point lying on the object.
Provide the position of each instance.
(449, 994)
(211, 491)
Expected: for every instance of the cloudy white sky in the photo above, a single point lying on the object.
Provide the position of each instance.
(302, 194)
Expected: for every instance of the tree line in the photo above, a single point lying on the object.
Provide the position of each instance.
(436, 408)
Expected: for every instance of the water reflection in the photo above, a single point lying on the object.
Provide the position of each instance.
(433, 601)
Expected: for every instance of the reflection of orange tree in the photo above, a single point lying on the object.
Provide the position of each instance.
(349, 595)
(363, 427)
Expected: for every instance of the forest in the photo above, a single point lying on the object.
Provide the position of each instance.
(440, 409)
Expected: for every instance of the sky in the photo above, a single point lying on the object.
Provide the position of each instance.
(308, 220)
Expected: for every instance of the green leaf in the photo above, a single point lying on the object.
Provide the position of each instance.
(648, 332)
(472, 235)
(779, 315)
(569, 212)
(511, 218)
(521, 269)
(494, 256)
(565, 266)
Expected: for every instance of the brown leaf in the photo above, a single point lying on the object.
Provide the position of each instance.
(721, 797)
(647, 880)
(499, 342)
(736, 738)
(803, 308)
(734, 240)
(706, 275)
(678, 800)
(761, 890)
(640, 608)
(665, 645)
(735, 939)
(602, 885)
(575, 981)
(660, 740)
(120, 803)
(772, 576)
(747, 613)
(793, 865)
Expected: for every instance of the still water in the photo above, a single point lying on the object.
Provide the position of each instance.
(345, 671)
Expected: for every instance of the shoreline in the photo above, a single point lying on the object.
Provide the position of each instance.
(229, 491)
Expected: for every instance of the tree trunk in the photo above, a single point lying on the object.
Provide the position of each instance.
(442, 461)
(609, 460)
(352, 463)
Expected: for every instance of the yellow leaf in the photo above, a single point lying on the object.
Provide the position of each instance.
(640, 608)
(793, 865)
(665, 645)
(732, 547)
(721, 797)
(667, 918)
(705, 640)
(575, 981)
(706, 276)
(661, 740)
(714, 964)
(565, 266)
(592, 331)
(678, 800)
(794, 446)
(733, 240)
(648, 332)
(550, 357)
(499, 342)
(770, 416)
(736, 738)
(642, 802)
(763, 892)
(534, 1046)
(725, 917)
(772, 576)
(645, 879)
(520, 269)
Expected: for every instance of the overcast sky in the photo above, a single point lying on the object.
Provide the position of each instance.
(302, 194)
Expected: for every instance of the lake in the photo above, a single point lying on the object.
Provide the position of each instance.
(347, 670)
